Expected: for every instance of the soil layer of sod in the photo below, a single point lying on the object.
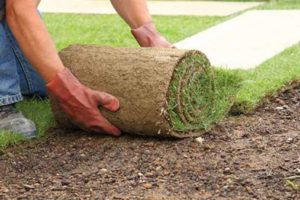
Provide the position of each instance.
(246, 157)
(166, 92)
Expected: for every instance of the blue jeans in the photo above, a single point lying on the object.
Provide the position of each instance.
(17, 76)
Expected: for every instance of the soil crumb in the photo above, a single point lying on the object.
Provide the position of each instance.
(244, 157)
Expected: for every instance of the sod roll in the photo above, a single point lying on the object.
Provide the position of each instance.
(166, 92)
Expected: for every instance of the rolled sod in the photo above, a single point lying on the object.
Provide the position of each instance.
(165, 92)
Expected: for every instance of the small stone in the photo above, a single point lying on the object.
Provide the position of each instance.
(147, 185)
(279, 108)
(286, 107)
(166, 173)
(149, 174)
(280, 101)
(227, 170)
(289, 140)
(149, 144)
(10, 155)
(103, 170)
(222, 156)
(65, 182)
(200, 140)
(140, 174)
(4, 190)
(159, 168)
(82, 155)
(147, 152)
(28, 187)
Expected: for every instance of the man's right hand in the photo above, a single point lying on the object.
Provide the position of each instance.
(80, 103)
(148, 36)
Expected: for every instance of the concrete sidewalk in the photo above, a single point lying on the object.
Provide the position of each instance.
(249, 39)
(195, 8)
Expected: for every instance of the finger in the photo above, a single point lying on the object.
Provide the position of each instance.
(102, 125)
(107, 101)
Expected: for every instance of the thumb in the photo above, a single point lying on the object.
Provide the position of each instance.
(107, 101)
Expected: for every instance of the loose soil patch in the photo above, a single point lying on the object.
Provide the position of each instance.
(245, 157)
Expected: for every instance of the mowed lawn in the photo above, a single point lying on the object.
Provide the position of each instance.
(110, 30)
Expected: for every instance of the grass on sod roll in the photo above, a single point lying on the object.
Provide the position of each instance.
(67, 29)
(188, 100)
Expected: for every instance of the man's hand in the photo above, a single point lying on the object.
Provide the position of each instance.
(137, 16)
(148, 36)
(80, 103)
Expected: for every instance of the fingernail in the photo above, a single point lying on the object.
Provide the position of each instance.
(117, 132)
(114, 105)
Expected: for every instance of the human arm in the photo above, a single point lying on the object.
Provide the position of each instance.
(136, 14)
(78, 102)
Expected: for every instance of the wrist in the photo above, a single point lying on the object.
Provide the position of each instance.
(61, 86)
(145, 34)
(148, 36)
(50, 75)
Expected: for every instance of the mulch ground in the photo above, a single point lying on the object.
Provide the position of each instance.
(244, 157)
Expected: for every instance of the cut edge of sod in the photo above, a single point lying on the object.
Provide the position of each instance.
(199, 95)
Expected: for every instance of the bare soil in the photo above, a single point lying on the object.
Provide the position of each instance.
(245, 157)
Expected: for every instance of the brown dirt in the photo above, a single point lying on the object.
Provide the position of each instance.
(245, 157)
(140, 78)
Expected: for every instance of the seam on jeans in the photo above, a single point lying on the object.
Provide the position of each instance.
(7, 100)
(26, 73)
(1, 15)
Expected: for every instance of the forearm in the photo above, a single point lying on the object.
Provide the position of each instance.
(134, 12)
(33, 37)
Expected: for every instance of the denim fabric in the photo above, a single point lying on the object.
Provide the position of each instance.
(1, 9)
(17, 76)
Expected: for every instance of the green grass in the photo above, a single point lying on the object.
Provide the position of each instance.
(267, 79)
(111, 30)
(194, 86)
(40, 112)
(9, 138)
(292, 185)
(281, 4)
(220, 0)
(264, 81)
(269, 4)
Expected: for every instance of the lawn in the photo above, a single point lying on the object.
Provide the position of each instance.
(68, 29)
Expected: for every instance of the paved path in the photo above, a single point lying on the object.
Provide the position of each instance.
(249, 39)
(203, 8)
